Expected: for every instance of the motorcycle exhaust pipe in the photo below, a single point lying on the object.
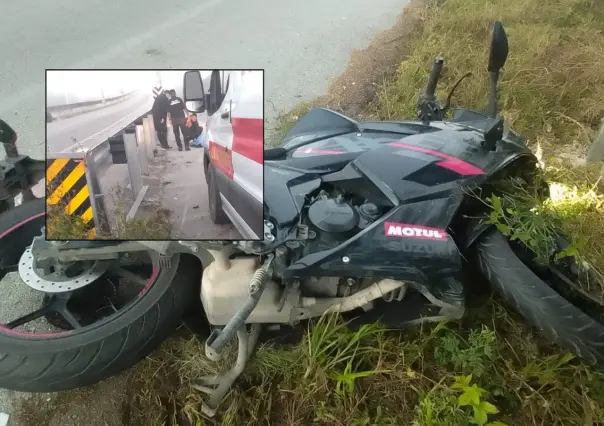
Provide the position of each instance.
(360, 299)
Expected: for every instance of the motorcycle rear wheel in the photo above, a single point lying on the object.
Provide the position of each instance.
(538, 302)
(53, 362)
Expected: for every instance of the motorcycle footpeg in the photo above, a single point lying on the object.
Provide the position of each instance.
(218, 386)
(211, 354)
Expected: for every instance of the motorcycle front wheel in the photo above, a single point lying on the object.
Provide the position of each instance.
(95, 334)
(574, 322)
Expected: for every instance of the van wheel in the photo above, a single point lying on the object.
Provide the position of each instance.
(206, 168)
(217, 215)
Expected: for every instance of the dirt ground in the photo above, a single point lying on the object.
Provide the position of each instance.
(178, 184)
(108, 403)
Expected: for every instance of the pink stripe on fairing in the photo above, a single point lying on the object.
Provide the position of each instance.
(7, 330)
(451, 163)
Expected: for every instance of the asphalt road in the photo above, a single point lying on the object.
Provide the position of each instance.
(301, 45)
(91, 128)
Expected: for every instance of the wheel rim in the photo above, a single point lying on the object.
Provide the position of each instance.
(73, 298)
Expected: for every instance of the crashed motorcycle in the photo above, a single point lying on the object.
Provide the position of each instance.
(376, 220)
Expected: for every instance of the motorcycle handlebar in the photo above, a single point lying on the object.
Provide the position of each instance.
(437, 67)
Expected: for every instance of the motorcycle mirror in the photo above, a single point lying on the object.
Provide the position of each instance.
(499, 48)
(7, 134)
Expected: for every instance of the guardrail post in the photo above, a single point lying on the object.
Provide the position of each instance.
(97, 199)
(596, 151)
(134, 168)
(141, 148)
(71, 187)
(153, 133)
(149, 137)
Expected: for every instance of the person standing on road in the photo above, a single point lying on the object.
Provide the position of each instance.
(160, 117)
(178, 116)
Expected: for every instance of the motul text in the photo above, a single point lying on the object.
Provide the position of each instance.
(404, 230)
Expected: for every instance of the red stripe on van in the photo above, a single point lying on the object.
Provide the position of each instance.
(248, 138)
(222, 159)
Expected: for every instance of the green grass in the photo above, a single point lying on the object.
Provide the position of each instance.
(154, 225)
(491, 368)
(494, 372)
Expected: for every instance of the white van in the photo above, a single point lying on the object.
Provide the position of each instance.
(234, 153)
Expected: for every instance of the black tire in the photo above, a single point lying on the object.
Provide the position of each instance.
(206, 166)
(544, 308)
(34, 363)
(217, 214)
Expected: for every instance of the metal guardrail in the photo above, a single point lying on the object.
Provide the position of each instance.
(139, 141)
(59, 108)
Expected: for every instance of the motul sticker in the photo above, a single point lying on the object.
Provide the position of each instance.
(403, 230)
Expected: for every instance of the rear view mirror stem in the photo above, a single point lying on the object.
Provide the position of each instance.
(498, 55)
(493, 93)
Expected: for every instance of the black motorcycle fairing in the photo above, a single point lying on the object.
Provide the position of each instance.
(318, 123)
(357, 179)
(384, 249)
(400, 128)
(285, 191)
(349, 143)
(413, 171)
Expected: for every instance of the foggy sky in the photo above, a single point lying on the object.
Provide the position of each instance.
(72, 86)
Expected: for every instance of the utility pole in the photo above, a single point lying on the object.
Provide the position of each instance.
(103, 95)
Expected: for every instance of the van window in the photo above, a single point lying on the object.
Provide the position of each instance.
(226, 89)
(215, 93)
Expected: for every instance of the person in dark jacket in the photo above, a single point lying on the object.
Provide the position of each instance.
(160, 118)
(194, 131)
(178, 116)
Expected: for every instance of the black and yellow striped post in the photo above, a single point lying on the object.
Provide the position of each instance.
(67, 187)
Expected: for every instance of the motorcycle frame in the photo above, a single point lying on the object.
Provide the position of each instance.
(18, 174)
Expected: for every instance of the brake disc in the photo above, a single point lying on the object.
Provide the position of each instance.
(56, 282)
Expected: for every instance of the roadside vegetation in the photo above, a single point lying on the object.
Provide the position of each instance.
(489, 369)
(149, 224)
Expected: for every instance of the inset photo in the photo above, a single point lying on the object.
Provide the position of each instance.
(154, 154)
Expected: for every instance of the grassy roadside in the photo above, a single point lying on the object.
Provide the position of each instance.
(490, 369)
(147, 225)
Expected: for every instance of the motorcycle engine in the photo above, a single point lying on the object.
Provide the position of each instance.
(338, 217)
(334, 217)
